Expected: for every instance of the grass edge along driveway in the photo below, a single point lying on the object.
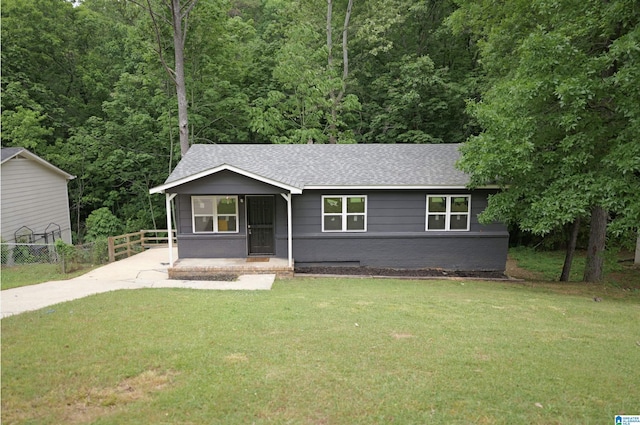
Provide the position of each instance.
(325, 351)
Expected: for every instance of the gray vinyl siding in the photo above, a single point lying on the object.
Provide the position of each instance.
(220, 245)
(409, 251)
(225, 245)
(396, 235)
(387, 211)
(33, 196)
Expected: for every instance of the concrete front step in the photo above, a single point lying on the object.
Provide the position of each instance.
(203, 268)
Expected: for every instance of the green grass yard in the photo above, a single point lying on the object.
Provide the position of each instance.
(328, 351)
(32, 274)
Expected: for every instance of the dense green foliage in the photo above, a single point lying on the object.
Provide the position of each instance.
(552, 88)
(563, 106)
(561, 115)
(101, 223)
(84, 87)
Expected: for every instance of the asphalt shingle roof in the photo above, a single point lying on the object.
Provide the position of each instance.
(302, 166)
(8, 153)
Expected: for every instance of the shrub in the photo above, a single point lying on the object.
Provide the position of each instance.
(22, 255)
(100, 251)
(101, 223)
(67, 254)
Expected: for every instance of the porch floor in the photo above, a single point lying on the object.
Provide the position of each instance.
(202, 268)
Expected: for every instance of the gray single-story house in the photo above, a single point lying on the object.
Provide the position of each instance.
(34, 199)
(373, 205)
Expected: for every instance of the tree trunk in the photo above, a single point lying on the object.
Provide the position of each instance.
(181, 87)
(571, 249)
(332, 94)
(593, 271)
(345, 50)
(329, 34)
(637, 259)
(336, 99)
(179, 14)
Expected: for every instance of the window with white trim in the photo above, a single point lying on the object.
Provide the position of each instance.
(448, 212)
(215, 214)
(344, 213)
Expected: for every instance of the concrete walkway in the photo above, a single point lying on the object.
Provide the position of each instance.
(145, 270)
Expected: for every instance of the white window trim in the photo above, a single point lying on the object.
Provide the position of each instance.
(448, 213)
(214, 200)
(344, 214)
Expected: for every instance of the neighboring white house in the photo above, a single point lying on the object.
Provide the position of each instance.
(33, 198)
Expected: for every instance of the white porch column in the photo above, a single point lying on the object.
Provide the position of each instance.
(168, 198)
(287, 197)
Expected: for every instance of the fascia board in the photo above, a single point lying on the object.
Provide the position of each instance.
(225, 167)
(395, 187)
(380, 187)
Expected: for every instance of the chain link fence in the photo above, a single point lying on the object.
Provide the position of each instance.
(27, 253)
(68, 256)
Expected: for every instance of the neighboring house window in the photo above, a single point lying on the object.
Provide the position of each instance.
(448, 212)
(215, 214)
(344, 213)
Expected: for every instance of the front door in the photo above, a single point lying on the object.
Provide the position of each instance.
(260, 224)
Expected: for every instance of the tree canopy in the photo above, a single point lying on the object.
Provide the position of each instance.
(547, 93)
(560, 115)
(84, 86)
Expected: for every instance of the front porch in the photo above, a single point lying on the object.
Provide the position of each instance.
(201, 268)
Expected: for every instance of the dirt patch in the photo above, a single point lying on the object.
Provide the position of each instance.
(97, 402)
(519, 273)
(398, 335)
(236, 358)
(417, 273)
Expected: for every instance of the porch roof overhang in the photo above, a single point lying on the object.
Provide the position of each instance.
(225, 167)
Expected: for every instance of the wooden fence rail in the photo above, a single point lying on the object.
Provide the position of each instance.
(132, 243)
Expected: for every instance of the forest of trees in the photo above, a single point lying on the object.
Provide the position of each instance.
(547, 93)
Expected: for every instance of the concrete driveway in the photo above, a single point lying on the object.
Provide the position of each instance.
(145, 270)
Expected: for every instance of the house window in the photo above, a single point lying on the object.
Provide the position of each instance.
(215, 214)
(448, 212)
(344, 213)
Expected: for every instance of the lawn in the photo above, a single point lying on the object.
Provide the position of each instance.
(544, 268)
(328, 351)
(31, 274)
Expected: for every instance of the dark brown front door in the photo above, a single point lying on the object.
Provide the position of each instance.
(260, 224)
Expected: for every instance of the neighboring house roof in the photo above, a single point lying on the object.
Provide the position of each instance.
(10, 153)
(309, 166)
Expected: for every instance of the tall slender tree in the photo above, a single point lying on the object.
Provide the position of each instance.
(307, 101)
(411, 73)
(336, 98)
(175, 14)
